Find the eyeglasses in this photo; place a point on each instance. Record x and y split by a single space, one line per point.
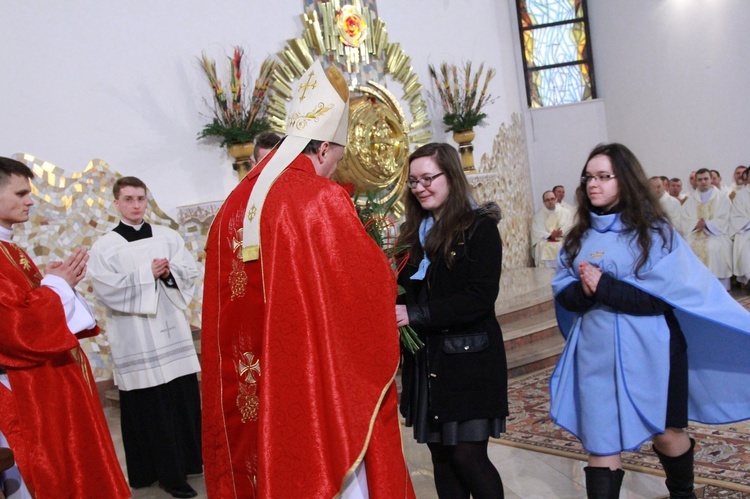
602 177
425 181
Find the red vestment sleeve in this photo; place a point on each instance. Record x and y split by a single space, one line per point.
52 415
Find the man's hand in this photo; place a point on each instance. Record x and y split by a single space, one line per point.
72 270
555 235
160 267
700 225
590 276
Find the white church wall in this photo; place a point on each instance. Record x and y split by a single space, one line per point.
119 80
674 76
560 139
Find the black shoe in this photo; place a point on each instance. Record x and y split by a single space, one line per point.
182 490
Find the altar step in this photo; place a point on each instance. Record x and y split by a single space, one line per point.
525 311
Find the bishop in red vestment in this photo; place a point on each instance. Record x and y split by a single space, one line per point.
299 346
50 412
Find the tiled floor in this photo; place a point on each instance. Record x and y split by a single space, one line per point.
525 474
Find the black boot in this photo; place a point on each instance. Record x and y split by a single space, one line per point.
603 483
679 471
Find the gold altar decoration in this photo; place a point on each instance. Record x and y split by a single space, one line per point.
466 149
378 147
242 154
356 40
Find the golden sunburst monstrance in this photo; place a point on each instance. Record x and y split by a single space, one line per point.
380 133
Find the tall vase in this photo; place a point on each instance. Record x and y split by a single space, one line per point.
243 157
466 149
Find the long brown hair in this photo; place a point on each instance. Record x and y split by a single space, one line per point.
455 214
640 211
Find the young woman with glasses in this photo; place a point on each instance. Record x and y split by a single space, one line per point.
455 388
637 308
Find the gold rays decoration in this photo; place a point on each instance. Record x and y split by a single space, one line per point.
367 60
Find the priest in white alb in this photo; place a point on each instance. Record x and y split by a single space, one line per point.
704 221
549 226
144 276
739 222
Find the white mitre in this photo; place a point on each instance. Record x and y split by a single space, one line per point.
319 110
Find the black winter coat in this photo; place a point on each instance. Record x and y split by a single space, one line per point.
455 317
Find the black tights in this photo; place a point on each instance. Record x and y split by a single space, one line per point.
465 469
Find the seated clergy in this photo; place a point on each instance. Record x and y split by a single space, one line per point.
739 181
675 190
704 220
669 204
549 226
739 224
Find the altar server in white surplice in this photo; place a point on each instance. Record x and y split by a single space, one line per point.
704 221
549 226
144 276
739 223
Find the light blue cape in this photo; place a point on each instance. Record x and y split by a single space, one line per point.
609 387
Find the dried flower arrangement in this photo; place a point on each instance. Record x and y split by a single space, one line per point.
237 117
460 96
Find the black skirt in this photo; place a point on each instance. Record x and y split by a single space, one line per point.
415 409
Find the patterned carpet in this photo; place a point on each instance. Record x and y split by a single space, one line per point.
722 458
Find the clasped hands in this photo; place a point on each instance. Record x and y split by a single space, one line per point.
590 276
555 235
160 268
72 270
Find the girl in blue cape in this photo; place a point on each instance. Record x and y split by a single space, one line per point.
653 339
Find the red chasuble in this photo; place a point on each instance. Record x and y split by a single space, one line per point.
298 390
53 417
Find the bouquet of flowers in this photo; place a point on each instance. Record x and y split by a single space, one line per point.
237 116
380 224
460 96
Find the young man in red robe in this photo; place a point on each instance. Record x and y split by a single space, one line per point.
299 339
50 413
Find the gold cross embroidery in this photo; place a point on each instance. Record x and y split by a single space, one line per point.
251 213
308 85
237 242
248 367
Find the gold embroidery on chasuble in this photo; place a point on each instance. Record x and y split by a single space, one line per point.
237 277
699 243
21 261
248 367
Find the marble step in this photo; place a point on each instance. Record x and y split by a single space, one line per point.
530 358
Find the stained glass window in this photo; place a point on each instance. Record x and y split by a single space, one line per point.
556 45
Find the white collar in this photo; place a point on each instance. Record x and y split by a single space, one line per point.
6 234
136 227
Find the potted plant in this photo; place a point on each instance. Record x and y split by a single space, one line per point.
462 102
237 117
